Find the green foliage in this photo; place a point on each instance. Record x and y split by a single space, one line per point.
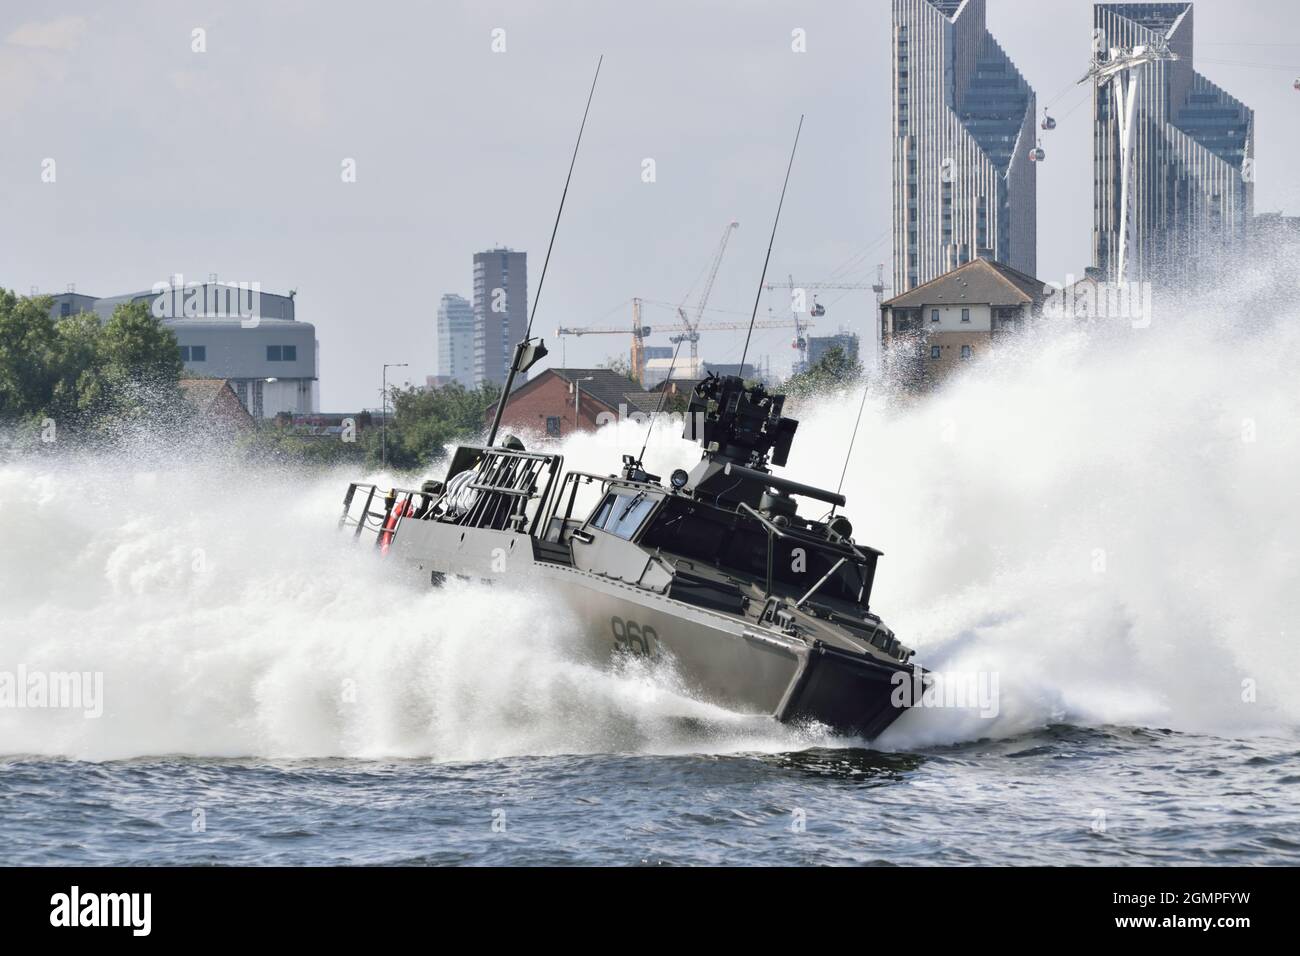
425 420
87 375
619 364
833 371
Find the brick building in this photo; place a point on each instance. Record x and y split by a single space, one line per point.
559 401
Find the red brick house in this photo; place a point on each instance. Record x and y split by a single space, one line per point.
547 405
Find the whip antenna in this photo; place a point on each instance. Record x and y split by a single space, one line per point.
768 257
527 354
663 393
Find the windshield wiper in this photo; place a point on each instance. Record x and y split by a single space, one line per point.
630 505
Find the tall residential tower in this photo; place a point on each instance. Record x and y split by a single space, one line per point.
964 184
1190 147
455 340
500 312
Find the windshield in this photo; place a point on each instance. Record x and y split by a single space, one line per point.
623 513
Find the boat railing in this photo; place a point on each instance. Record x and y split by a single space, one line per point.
843 550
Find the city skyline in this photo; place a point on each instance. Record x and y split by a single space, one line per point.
232 159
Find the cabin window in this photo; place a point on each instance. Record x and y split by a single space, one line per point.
553 425
623 513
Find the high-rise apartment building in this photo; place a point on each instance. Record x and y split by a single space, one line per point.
1173 154
964 124
455 340
500 312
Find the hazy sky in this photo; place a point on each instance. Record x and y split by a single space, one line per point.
229 161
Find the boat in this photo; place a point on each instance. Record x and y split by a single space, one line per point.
714 574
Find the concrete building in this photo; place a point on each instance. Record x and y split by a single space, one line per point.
455 340
500 312
929 332
238 333
559 401
819 345
964 186
1191 154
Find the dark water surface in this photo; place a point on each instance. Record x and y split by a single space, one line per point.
1061 796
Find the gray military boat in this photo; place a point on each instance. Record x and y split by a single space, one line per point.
715 573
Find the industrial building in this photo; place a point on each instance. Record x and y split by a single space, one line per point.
235 332
1173 153
964 179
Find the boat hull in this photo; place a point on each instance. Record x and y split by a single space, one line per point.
723 659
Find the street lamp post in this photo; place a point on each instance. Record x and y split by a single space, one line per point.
577 395
383 455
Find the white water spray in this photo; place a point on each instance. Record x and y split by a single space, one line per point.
1106 523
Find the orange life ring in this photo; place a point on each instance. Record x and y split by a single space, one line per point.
401 509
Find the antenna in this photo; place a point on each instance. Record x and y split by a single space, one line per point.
663 393
770 241
525 354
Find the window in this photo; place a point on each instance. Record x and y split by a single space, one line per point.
290 353
65 308
934 351
965 315
934 315
965 351
273 353
194 353
623 513
282 353
552 424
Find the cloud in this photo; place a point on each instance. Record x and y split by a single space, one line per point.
61 33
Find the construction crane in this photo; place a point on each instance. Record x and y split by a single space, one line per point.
692 334
641 332
817 309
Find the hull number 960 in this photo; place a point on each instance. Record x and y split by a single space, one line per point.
631 637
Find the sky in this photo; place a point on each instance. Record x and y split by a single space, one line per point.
229 160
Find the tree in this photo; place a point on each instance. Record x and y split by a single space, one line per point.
834 370
619 364
425 420
87 375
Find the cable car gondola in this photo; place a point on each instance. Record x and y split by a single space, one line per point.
1037 154
818 309
1048 122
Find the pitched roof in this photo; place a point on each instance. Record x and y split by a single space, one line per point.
202 392
979 281
608 387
